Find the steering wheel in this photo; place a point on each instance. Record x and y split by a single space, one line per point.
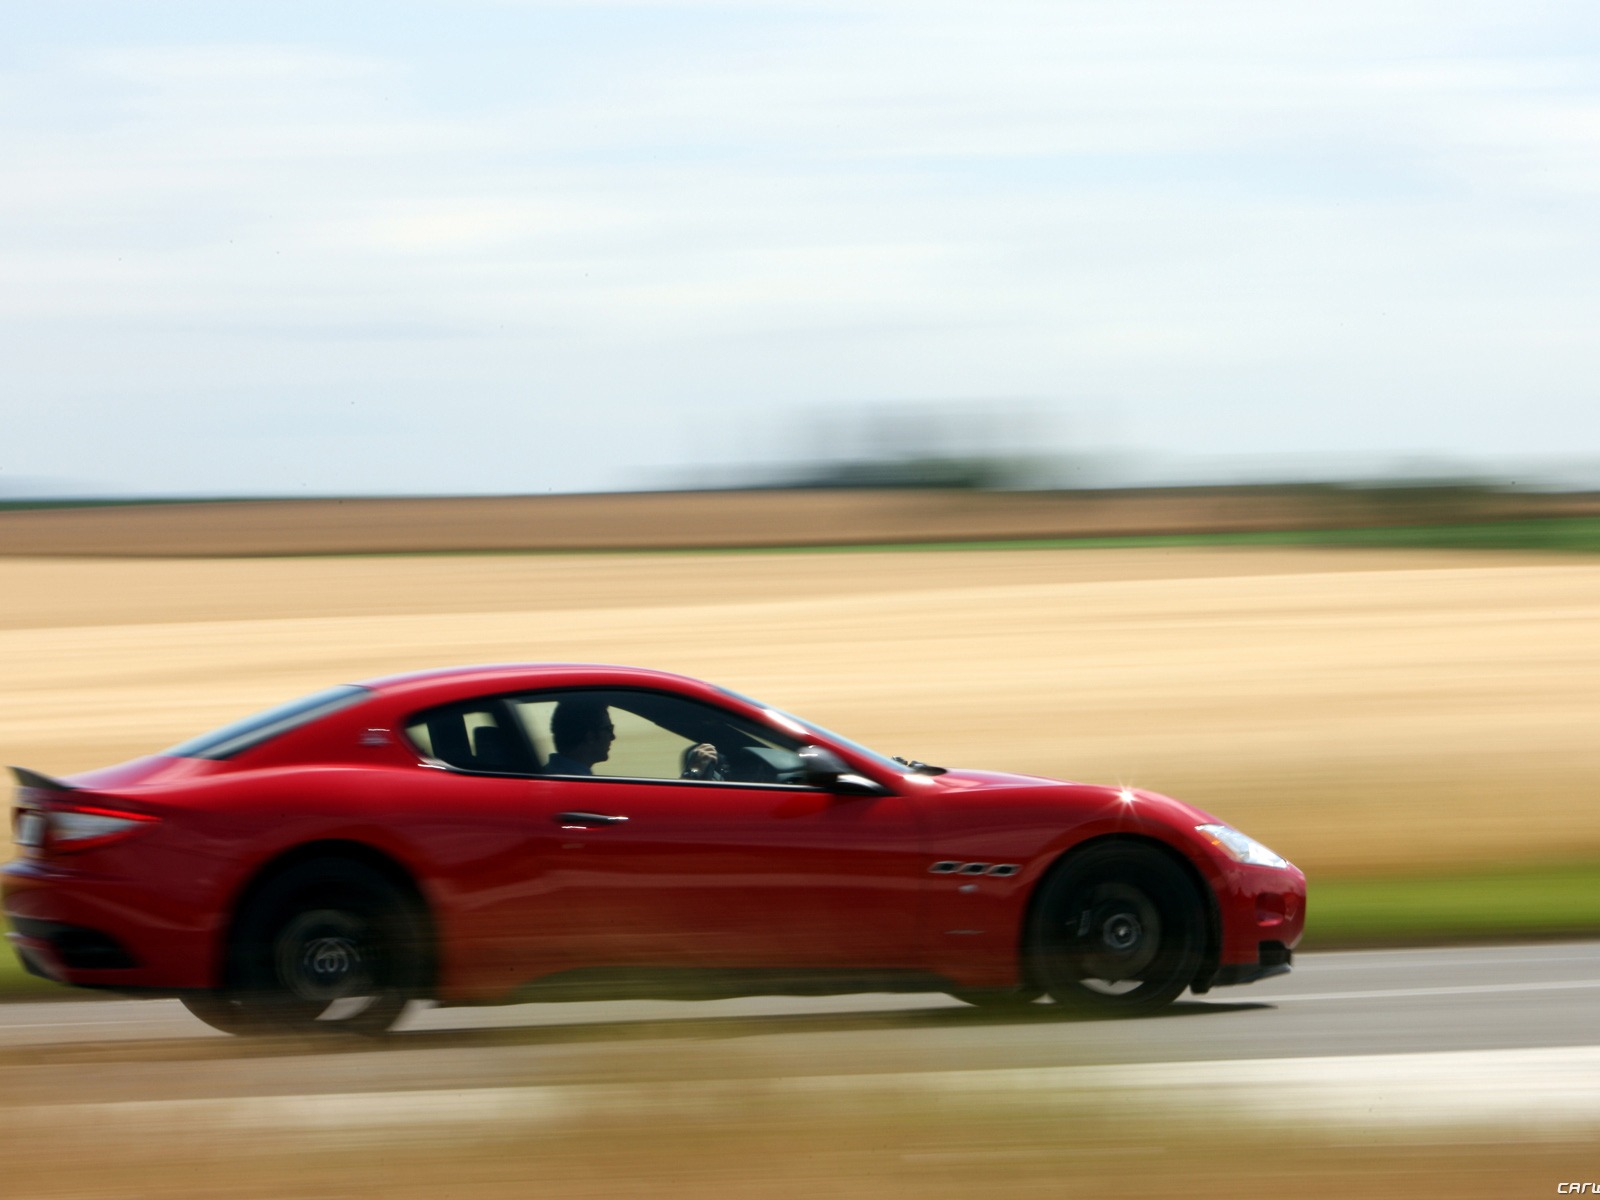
703 761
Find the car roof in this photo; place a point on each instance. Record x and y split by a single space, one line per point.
449 683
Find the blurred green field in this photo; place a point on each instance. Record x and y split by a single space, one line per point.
1558 900
1557 535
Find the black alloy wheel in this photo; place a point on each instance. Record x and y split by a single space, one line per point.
1118 930
328 946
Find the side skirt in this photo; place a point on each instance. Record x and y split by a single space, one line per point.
628 983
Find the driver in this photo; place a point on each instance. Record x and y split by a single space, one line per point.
582 731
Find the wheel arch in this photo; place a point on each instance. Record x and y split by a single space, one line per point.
1211 952
334 850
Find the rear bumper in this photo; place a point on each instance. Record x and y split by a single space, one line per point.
88 930
50 949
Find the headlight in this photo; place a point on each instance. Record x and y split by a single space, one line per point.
1239 847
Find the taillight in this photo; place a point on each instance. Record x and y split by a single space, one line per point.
27 828
70 829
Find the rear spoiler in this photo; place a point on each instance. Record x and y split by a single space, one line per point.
34 779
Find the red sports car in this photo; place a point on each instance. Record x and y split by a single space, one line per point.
485 835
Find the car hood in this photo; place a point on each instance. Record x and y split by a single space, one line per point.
963 780
1071 793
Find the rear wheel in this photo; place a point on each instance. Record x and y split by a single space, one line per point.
327 946
1117 930
221 1011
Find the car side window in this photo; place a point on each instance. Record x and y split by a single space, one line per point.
475 736
626 734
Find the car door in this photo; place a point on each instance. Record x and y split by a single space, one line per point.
747 868
472 805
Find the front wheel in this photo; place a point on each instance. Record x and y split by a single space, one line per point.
327 946
1118 930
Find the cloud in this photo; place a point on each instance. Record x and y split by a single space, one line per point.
1265 223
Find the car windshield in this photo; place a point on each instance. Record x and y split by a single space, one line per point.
263 726
798 725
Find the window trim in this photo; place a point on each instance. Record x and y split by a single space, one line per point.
505 715
507 700
737 784
733 718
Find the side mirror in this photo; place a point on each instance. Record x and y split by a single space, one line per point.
822 768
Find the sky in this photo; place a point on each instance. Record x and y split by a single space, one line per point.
308 248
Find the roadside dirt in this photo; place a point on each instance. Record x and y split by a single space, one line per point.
739 1144
1357 710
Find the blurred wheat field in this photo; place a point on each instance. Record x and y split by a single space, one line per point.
1360 711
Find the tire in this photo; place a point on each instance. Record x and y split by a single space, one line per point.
1000 1000
1118 930
328 946
221 1011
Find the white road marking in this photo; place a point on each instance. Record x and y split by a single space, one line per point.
116 1023
112 1021
1464 989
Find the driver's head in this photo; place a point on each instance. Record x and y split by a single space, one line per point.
581 729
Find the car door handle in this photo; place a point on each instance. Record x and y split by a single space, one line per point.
583 820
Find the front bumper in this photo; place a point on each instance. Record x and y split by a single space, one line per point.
1261 916
1273 958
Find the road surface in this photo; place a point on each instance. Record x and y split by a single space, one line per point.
1519 1011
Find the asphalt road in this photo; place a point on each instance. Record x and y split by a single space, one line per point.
1343 1004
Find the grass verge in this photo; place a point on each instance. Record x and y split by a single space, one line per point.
1567 535
1510 904
1558 535
17 984
1579 535
1523 902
